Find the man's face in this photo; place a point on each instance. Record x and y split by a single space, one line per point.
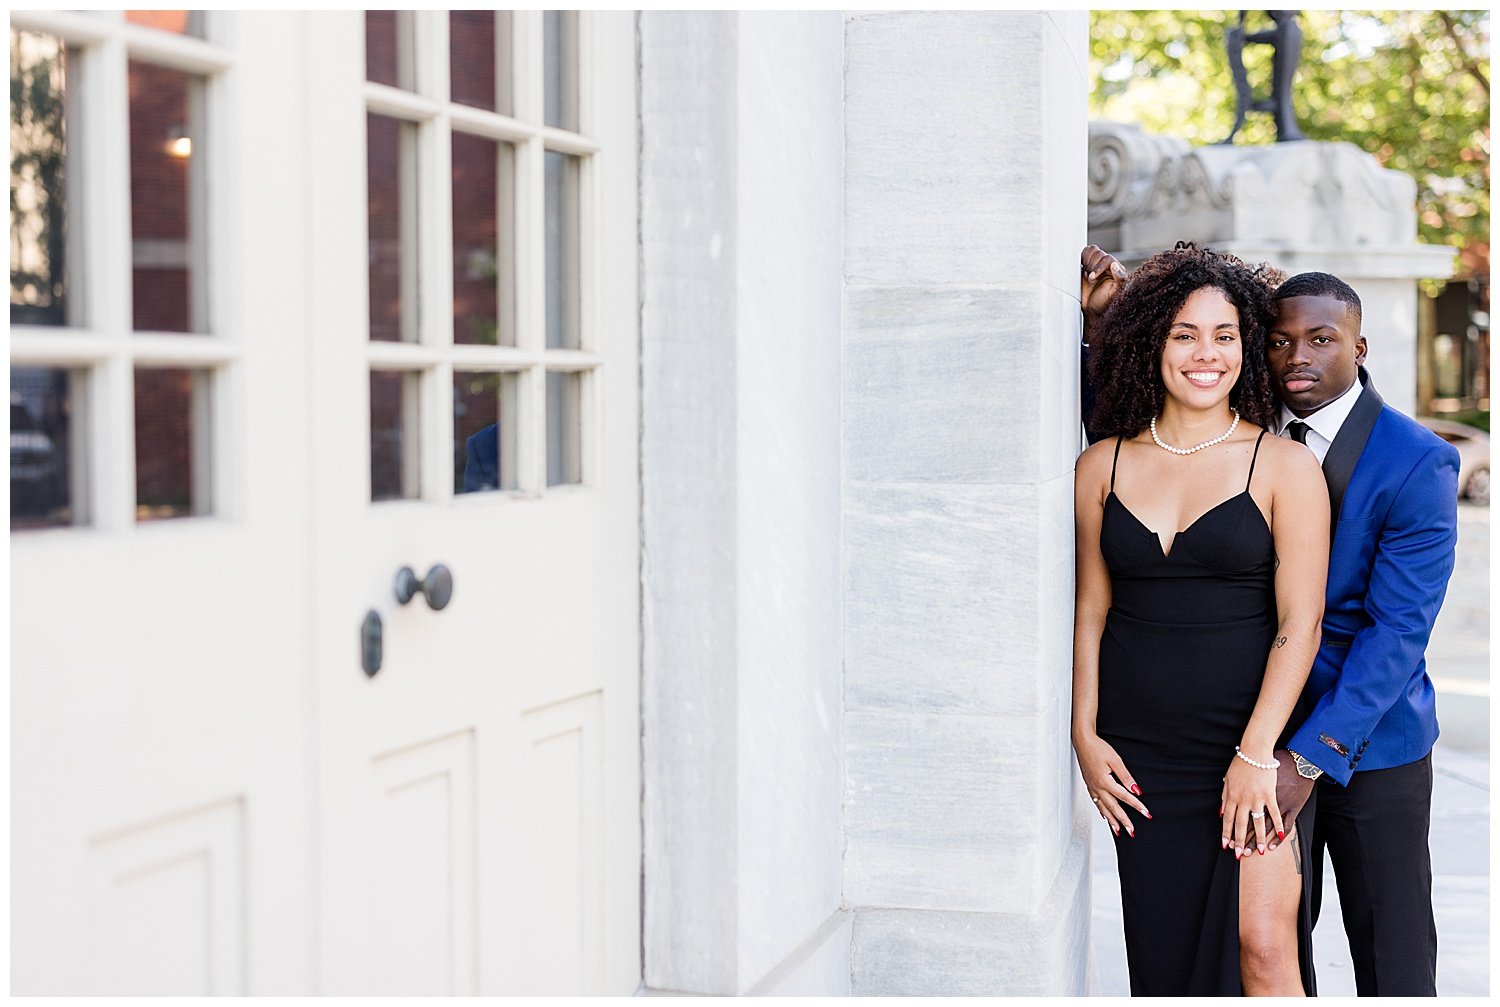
1315 350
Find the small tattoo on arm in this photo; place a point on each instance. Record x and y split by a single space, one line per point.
1280 642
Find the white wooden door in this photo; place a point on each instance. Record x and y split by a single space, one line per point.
474 264
161 587
218 373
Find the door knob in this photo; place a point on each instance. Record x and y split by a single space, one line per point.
436 587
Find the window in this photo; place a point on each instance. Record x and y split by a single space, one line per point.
116 347
482 352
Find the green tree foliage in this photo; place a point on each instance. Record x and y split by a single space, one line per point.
1410 87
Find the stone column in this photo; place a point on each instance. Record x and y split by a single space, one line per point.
966 857
741 214
1303 206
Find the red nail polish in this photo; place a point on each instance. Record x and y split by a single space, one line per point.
1223 842
1146 813
1262 851
1132 833
1135 789
1221 811
1280 834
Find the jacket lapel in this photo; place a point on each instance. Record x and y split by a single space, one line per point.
1344 454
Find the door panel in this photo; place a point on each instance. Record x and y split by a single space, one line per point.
502 730
161 723
209 794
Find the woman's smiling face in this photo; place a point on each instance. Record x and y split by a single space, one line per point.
1201 359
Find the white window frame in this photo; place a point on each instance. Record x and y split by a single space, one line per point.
435 355
104 349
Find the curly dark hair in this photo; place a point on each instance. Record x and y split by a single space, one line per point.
1125 359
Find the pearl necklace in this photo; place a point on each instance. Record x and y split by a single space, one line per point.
1197 447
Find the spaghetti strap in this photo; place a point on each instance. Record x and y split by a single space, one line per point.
1118 441
1252 462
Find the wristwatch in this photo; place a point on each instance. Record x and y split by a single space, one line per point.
1305 769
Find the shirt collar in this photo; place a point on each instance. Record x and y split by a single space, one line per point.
1327 421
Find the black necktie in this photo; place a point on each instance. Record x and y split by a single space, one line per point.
1298 430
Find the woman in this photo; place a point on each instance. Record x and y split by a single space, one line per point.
1202 550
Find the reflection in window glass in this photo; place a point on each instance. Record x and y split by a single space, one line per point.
180 22
394 474
39 252
167 200
46 471
483 261
172 409
388 48
391 146
484 431
560 68
562 250
479 59
563 393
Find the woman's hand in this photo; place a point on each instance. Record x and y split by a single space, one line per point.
1101 277
1251 815
1109 783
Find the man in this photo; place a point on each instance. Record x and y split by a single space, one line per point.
1370 721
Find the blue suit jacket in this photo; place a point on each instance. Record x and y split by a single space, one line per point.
1394 489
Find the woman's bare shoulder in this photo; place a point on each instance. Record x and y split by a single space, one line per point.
1097 456
1291 463
1091 472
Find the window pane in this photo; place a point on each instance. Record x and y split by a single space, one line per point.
484 431
479 68
167 200
46 463
394 474
393 228
389 53
562 428
483 249
560 68
171 442
39 243
562 250
182 22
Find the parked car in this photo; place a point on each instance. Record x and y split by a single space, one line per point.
1473 457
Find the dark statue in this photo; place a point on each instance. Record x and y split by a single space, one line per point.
1285 38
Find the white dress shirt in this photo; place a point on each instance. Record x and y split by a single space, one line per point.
1323 425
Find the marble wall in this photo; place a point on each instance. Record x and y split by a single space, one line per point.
741 211
965 866
859 420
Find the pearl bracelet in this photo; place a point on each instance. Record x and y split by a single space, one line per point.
1273 764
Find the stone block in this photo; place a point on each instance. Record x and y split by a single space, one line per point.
942 135
1057 377
1063 168
1036 952
940 384
929 812
942 598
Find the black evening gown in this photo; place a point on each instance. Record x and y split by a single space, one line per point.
1180 667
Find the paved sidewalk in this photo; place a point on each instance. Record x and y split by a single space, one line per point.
1459 662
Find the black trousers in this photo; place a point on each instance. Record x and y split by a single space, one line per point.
1375 832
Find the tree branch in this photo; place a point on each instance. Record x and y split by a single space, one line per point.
1470 65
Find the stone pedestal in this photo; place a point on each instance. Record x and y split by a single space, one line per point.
1303 206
